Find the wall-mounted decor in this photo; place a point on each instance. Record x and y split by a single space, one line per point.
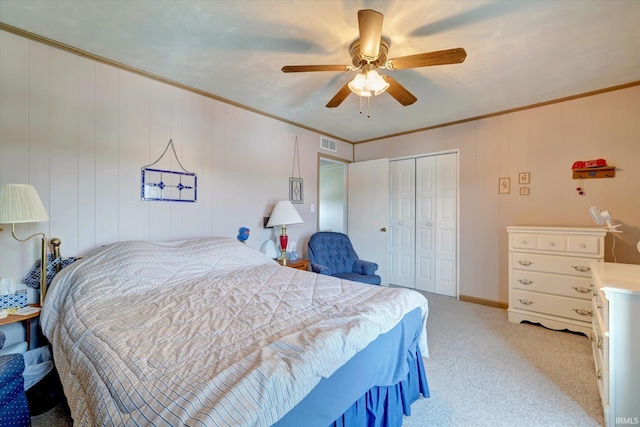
524 178
168 185
504 186
295 184
524 191
596 168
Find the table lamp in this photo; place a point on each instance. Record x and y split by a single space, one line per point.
19 203
284 214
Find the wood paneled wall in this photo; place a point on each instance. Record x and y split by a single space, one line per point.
544 141
80 130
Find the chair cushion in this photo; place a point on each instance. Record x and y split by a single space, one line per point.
14 409
371 279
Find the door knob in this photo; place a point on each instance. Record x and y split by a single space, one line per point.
383 229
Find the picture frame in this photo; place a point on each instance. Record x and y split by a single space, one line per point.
504 186
524 178
524 191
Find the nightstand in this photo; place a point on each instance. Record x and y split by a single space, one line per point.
13 318
301 264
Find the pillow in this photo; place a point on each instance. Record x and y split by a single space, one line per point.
33 278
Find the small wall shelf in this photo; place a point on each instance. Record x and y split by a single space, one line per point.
602 172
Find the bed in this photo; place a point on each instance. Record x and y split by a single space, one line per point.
211 332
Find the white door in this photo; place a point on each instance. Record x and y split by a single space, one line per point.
426 173
446 225
402 223
368 212
436 223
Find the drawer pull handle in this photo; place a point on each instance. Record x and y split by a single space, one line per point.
581 289
583 312
581 268
524 242
525 301
551 244
599 375
582 245
525 262
525 281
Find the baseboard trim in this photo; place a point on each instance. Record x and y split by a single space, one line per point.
482 301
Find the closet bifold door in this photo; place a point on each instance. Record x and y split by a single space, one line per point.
436 224
402 223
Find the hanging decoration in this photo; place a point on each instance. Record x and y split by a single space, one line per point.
295 184
167 185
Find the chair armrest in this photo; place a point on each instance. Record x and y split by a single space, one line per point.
320 269
364 267
11 367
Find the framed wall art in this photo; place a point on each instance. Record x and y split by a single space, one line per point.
504 186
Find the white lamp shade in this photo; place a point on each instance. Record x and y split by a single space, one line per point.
20 203
284 214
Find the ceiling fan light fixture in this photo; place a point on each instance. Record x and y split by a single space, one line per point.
375 83
368 84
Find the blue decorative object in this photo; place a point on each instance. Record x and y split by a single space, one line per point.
332 254
167 185
33 278
243 234
17 299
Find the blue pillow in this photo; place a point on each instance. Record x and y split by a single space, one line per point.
33 278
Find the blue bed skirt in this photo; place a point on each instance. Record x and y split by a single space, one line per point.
384 406
375 388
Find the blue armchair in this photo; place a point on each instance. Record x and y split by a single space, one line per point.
14 408
332 254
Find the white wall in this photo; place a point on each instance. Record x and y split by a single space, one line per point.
544 141
80 131
332 197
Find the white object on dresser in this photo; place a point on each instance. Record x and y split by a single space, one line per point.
616 340
550 277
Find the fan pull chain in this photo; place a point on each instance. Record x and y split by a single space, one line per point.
368 105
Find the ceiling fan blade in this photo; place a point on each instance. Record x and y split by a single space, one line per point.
370 25
305 68
340 96
441 57
395 89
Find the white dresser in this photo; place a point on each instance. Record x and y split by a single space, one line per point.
616 340
550 277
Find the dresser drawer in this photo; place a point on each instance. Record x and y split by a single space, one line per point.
551 264
600 308
600 341
524 241
585 245
601 373
569 308
570 286
552 243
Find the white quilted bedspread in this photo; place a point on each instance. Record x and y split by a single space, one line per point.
204 332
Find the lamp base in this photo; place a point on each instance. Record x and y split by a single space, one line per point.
283 258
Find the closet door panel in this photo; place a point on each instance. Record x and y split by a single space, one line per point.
446 224
402 223
425 222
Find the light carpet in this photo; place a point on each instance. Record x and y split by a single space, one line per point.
485 371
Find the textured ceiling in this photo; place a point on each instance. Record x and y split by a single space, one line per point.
518 52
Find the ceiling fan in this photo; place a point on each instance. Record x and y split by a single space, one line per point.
368 53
